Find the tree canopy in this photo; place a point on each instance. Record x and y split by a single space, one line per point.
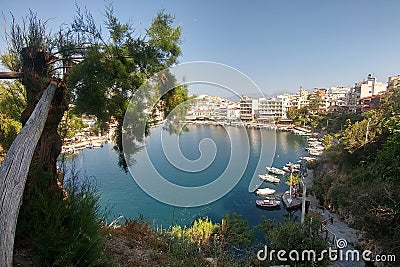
97 72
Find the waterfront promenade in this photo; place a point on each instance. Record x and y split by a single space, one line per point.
90 142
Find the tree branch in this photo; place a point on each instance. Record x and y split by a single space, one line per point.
11 75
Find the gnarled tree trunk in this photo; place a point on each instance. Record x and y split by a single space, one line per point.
14 172
36 75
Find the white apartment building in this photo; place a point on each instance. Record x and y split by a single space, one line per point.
336 98
370 87
338 92
276 107
247 108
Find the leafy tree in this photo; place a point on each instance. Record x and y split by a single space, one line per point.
361 133
295 178
71 125
315 102
99 75
12 103
111 73
236 231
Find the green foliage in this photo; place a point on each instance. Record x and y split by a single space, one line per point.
315 102
63 231
230 243
355 137
361 178
31 34
237 231
189 246
12 103
291 235
164 38
299 116
295 178
388 159
71 125
338 193
111 72
200 232
328 140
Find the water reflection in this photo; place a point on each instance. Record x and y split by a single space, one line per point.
119 191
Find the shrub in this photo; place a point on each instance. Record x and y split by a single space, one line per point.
63 231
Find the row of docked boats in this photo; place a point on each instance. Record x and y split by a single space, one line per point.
269 200
315 147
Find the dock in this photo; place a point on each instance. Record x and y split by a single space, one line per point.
291 203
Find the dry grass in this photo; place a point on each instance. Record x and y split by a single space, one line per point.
135 244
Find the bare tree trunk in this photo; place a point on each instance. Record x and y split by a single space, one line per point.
14 171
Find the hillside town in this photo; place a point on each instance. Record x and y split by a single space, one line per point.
255 112
363 96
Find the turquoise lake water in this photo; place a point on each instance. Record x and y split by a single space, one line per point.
122 196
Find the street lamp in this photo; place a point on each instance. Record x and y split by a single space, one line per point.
303 205
366 134
289 200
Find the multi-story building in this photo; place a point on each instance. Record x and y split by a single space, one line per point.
233 112
273 108
363 96
394 81
370 87
337 99
263 110
367 92
300 99
247 110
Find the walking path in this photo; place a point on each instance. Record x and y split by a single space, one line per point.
343 235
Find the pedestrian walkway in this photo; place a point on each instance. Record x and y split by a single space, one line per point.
342 236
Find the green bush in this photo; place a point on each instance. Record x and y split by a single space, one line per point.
63 231
292 235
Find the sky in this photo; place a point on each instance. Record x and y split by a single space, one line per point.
281 45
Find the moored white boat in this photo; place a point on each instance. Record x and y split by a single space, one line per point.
269 203
97 145
293 165
265 191
308 158
275 170
269 178
315 152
